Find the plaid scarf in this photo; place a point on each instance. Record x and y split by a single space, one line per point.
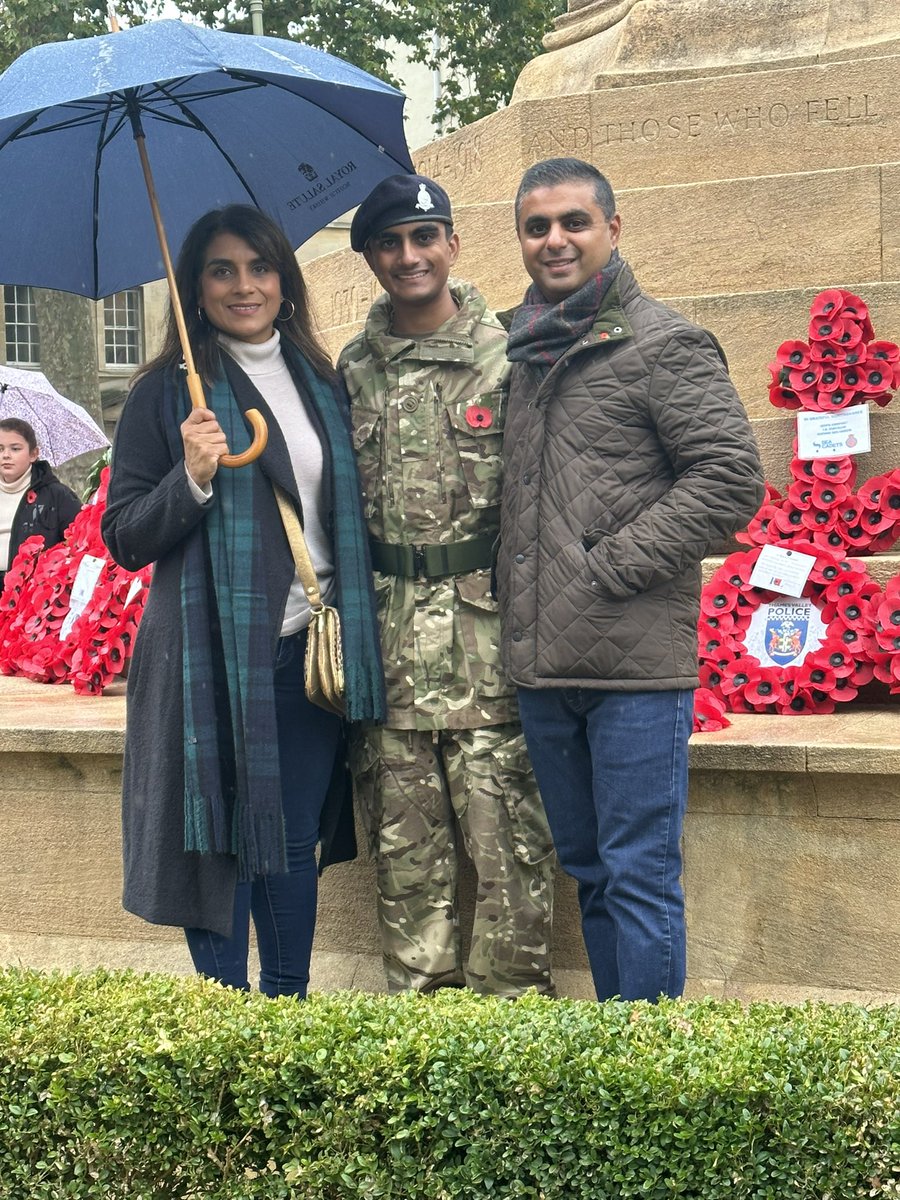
541 332
232 796
360 639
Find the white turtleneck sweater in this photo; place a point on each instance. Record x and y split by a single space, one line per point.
10 499
263 363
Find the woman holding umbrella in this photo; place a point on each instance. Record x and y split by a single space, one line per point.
231 775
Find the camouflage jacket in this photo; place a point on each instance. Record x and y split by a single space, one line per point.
428 417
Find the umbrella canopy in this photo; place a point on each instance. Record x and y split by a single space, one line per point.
63 429
228 118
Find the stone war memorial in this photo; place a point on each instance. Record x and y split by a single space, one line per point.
754 146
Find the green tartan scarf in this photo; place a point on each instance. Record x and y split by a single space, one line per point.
360 639
231 769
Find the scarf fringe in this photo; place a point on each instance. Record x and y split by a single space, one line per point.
205 824
260 844
364 691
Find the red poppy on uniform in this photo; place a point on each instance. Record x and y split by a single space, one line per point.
479 417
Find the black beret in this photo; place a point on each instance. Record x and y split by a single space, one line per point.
398 200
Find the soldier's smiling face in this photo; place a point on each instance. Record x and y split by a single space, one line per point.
412 261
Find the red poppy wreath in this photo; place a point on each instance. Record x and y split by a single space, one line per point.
840 366
49 634
764 652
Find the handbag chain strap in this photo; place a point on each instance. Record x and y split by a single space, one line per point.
299 549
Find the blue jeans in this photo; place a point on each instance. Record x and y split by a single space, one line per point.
612 769
283 907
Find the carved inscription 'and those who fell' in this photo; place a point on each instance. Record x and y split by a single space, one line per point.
727 121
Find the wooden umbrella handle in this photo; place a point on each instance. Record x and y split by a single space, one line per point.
194 383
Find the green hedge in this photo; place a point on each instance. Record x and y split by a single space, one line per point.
125 1086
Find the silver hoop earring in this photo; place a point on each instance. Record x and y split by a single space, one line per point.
201 315
290 314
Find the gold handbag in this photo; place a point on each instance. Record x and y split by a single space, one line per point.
324 667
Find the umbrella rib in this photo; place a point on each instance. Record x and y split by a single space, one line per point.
20 131
194 120
101 145
322 108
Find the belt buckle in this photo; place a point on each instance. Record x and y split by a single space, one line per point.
418 557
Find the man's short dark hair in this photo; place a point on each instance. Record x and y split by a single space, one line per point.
554 171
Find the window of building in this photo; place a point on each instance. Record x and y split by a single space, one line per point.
122 329
23 345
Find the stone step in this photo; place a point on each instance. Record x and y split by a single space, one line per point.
854 740
614 43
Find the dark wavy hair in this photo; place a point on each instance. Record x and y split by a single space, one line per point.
267 239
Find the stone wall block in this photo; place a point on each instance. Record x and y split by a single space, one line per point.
890 220
809 901
733 235
64 869
475 164
769 793
738 125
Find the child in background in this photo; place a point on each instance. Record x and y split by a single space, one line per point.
32 499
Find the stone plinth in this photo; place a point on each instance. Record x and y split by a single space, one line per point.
604 43
792 852
762 168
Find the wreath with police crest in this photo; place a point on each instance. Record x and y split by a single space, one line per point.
761 651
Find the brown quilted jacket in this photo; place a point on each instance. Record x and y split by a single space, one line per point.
624 467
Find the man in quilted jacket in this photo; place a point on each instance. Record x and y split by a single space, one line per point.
426 380
628 457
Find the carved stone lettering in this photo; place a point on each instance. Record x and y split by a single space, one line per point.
454 161
747 118
554 143
840 110
649 129
729 121
351 304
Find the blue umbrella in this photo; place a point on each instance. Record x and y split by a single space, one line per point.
227 118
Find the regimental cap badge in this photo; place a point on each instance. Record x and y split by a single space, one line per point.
423 199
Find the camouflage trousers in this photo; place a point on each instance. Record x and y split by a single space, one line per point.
413 787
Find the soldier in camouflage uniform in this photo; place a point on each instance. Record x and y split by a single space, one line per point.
426 381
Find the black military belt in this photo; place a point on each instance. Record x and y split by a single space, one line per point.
429 562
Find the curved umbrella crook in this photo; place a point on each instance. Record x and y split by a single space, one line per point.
194 383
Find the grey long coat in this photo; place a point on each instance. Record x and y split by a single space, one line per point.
149 511
624 468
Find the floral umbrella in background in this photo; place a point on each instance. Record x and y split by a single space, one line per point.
63 429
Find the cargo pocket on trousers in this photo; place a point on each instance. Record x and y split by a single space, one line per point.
528 826
476 651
